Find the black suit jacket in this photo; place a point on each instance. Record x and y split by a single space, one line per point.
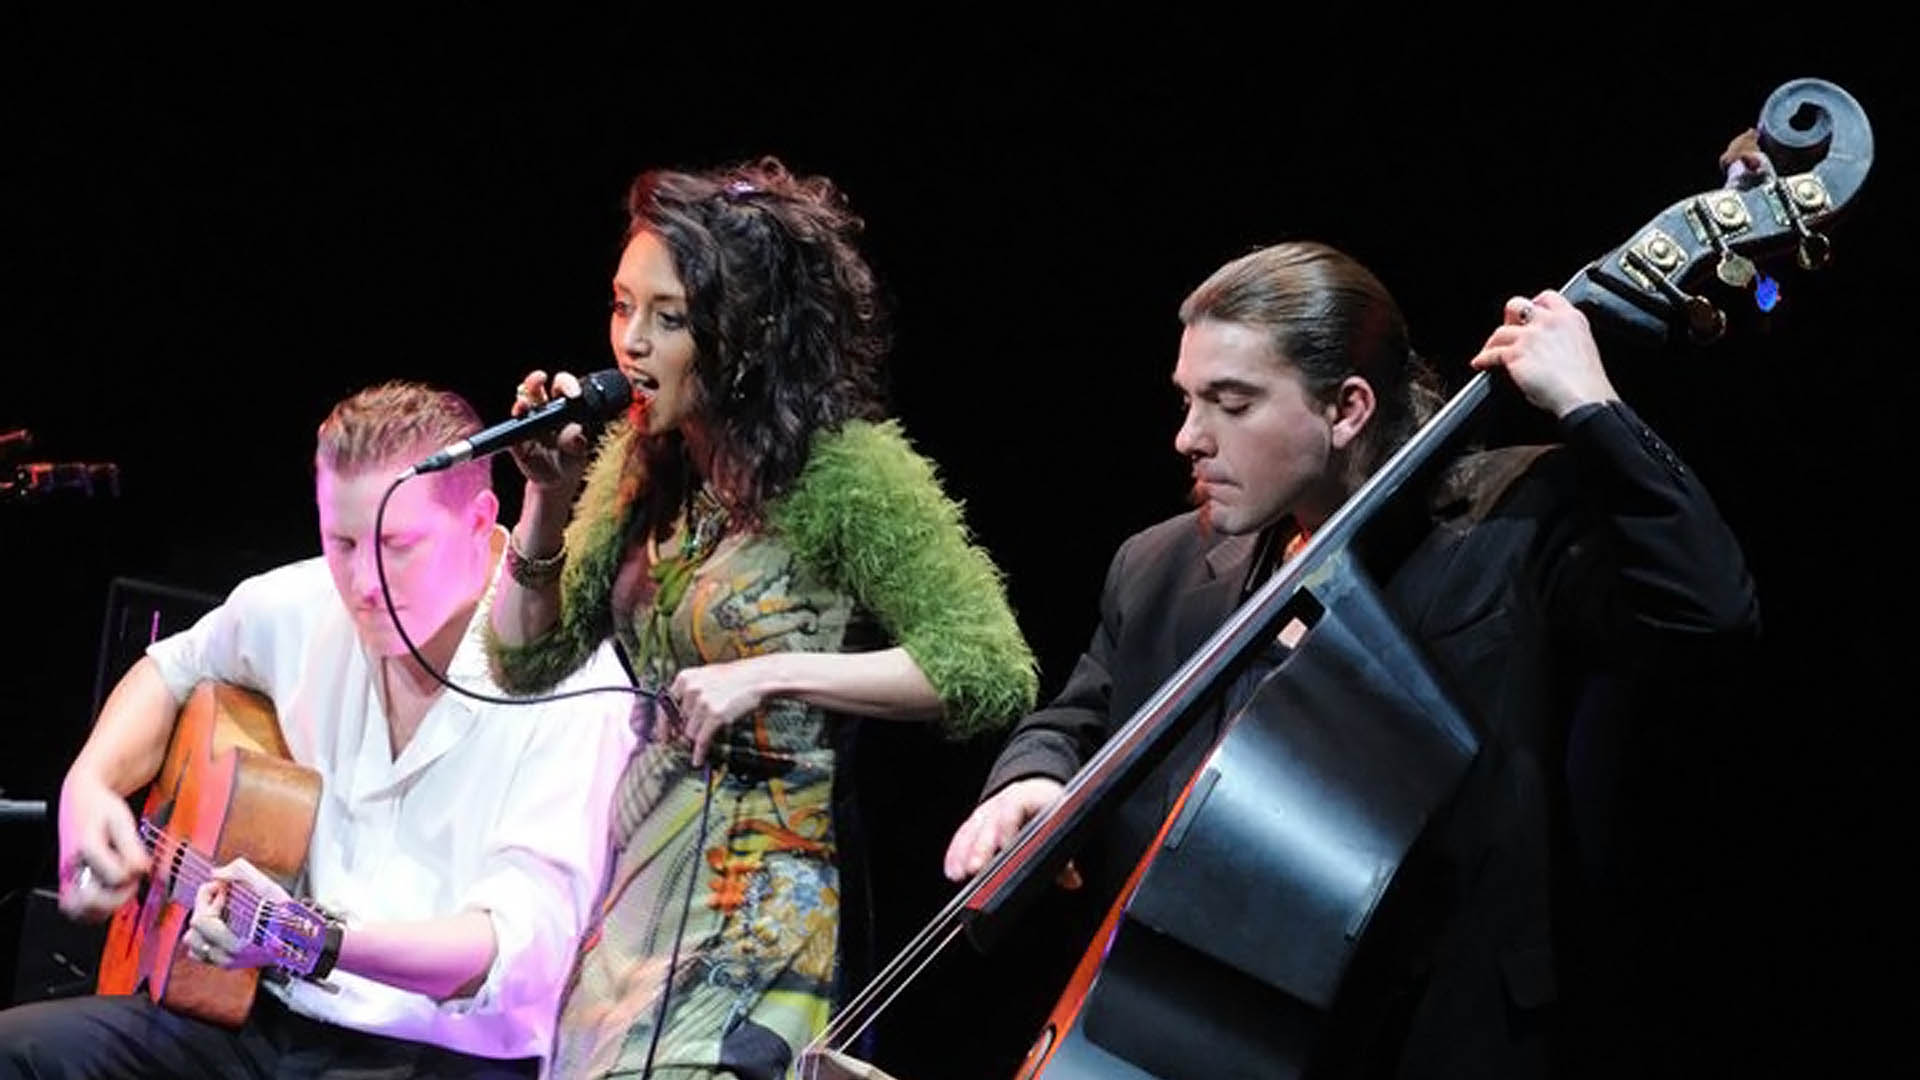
1545 577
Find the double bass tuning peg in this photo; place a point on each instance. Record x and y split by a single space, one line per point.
1816 251
1735 270
1726 211
1798 196
1705 322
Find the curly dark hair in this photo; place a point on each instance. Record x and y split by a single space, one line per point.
787 323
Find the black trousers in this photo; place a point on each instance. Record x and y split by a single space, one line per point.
112 1037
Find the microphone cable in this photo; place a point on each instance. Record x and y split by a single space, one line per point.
658 697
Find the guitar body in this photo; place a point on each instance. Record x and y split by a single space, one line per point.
228 787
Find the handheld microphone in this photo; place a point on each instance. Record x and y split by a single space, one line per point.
23 810
603 395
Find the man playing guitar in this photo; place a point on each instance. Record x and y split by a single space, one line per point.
458 846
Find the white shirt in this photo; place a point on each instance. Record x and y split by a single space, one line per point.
495 807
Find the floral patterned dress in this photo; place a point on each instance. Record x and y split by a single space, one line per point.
724 898
751 866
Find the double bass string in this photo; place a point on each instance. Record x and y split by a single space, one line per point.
862 1011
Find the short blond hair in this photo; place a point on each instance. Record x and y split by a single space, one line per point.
398 421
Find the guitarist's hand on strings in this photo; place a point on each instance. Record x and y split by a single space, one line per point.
209 939
101 856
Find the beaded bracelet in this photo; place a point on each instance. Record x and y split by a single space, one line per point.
530 572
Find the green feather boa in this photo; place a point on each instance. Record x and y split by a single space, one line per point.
869 516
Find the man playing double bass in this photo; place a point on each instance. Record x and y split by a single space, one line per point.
1544 573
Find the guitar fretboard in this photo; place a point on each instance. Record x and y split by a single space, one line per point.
286 928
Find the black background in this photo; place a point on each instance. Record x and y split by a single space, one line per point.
213 229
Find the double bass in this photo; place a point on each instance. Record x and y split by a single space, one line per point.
1326 780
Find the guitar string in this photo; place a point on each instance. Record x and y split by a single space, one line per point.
192 869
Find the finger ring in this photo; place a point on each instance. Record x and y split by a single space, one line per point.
83 878
1525 312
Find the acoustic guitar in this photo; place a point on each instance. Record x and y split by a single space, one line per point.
228 789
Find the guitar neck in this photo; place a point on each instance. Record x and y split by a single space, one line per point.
288 928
